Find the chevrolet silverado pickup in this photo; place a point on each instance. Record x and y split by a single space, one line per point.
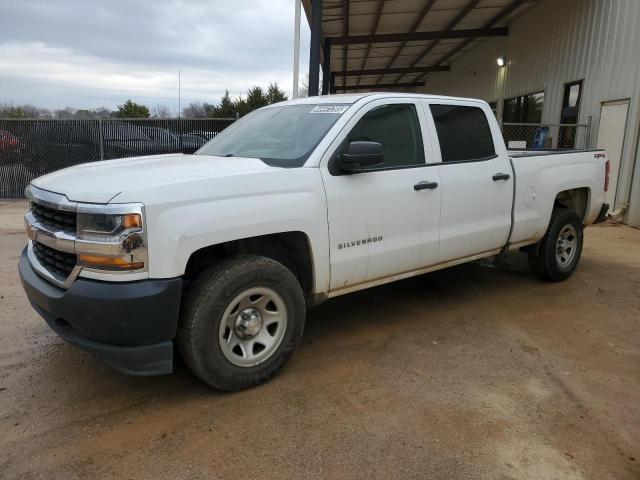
217 255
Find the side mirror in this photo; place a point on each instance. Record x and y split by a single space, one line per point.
360 155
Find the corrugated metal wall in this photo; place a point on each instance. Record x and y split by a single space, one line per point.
557 43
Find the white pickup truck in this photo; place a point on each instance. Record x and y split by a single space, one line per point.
222 252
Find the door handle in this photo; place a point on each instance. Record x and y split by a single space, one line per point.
425 186
501 176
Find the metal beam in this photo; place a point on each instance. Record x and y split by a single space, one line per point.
314 47
513 6
380 85
452 24
373 31
394 71
416 24
420 36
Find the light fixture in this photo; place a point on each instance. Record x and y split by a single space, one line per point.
501 61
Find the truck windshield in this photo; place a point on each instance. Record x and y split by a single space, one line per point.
281 136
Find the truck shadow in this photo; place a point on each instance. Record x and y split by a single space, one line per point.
417 303
430 292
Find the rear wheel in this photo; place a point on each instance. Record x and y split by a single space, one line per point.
558 253
241 322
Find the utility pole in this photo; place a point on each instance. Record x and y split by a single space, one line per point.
179 111
296 49
179 106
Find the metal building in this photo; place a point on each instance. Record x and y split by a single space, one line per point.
568 68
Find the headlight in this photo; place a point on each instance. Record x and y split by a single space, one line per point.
107 228
112 242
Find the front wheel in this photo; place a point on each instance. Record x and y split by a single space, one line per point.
241 322
558 253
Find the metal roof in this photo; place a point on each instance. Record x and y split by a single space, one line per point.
371 39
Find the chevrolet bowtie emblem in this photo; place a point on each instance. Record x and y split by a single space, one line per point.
32 232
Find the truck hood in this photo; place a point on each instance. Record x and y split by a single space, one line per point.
100 182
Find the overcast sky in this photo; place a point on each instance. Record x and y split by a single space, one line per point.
87 54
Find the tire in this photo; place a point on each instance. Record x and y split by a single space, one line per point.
551 260
213 320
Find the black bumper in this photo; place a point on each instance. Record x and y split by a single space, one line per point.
602 216
130 324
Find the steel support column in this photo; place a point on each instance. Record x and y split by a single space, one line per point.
314 47
326 65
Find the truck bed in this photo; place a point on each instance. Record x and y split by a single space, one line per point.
540 175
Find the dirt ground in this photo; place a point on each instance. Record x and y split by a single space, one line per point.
473 372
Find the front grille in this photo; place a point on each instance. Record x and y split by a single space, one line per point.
57 220
59 264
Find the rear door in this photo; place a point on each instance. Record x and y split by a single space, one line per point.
476 179
379 223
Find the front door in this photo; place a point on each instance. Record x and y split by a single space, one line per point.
476 179
377 216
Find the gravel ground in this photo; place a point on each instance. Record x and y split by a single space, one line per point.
480 371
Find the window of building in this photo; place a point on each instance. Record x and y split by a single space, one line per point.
397 128
463 132
524 109
494 107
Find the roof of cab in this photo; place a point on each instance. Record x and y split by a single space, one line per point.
350 98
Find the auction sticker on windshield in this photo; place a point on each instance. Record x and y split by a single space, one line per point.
329 109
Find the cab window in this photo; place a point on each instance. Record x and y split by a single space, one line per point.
463 132
397 128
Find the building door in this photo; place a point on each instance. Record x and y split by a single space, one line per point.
611 132
570 113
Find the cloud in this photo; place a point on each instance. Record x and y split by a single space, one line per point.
89 54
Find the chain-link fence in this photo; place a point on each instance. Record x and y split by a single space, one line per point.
30 148
520 136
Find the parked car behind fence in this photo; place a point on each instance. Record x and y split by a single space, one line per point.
30 148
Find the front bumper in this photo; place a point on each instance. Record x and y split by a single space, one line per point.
130 324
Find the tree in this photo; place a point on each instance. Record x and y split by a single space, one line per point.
226 108
256 98
130 109
160 111
193 110
240 107
209 110
9 110
199 110
83 114
63 113
274 94
303 87
101 112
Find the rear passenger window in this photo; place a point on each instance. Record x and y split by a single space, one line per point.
463 132
397 128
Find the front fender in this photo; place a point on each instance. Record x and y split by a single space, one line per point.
178 229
